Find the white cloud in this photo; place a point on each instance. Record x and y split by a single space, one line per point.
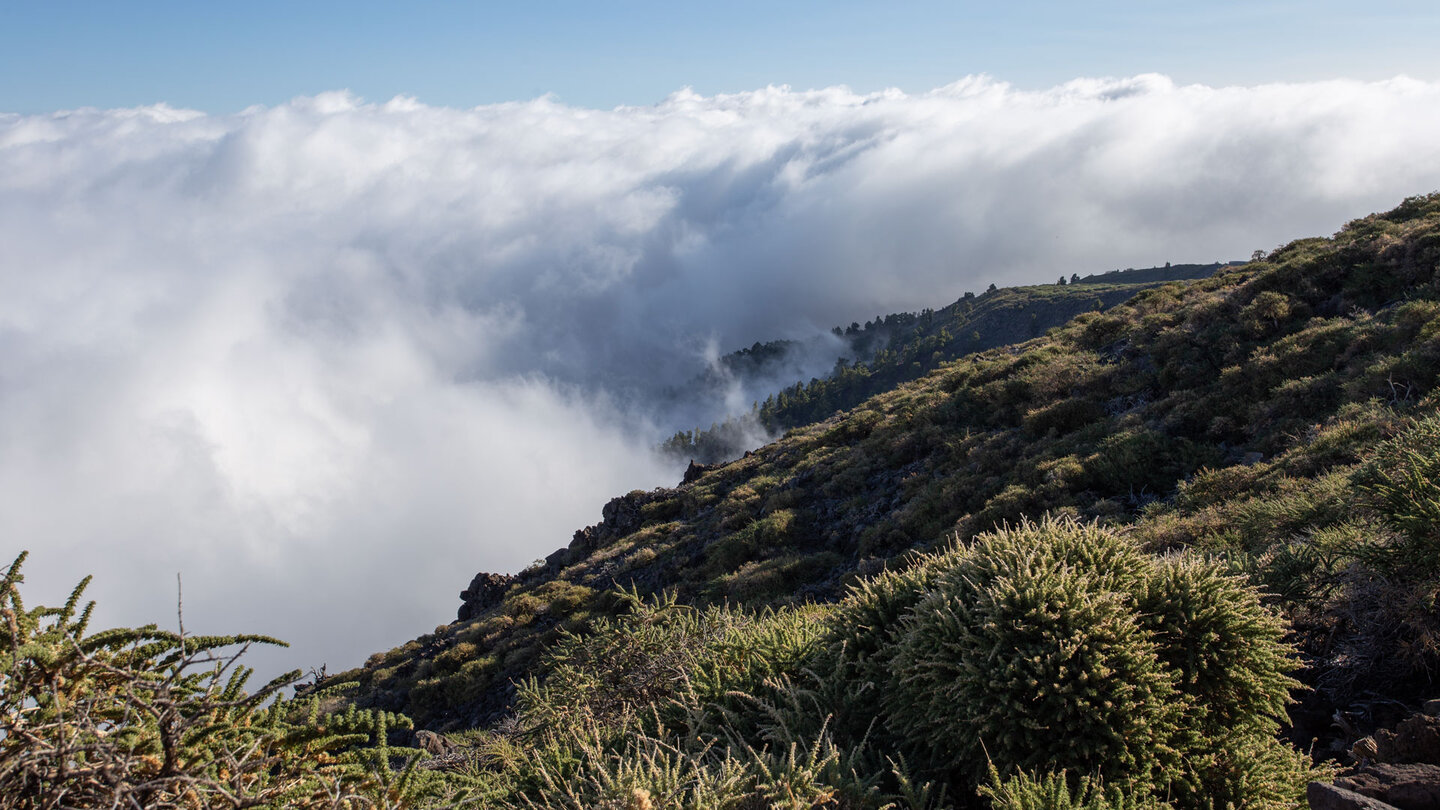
330 358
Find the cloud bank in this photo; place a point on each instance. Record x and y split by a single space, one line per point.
329 359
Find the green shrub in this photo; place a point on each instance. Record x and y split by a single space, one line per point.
660 659
670 706
1060 646
1139 459
1030 651
582 771
1252 770
1062 416
1232 665
1266 311
1212 486
146 717
753 541
1403 482
862 633
1296 506
1060 791
1227 649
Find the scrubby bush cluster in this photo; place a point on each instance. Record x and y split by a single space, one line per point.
672 706
660 659
149 718
1053 664
1060 646
1058 791
1049 660
1336 531
1403 477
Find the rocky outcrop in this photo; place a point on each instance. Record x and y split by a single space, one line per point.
433 744
485 591
620 517
1412 786
1415 739
695 471
1397 768
1325 796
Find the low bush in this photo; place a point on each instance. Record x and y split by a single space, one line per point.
659 659
1403 482
1060 646
1059 791
1030 650
146 717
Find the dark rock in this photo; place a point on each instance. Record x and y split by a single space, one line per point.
584 542
1432 707
487 588
1415 795
1415 739
695 471
432 743
485 591
620 517
1325 796
1411 786
557 559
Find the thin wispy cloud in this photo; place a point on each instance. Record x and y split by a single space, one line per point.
330 358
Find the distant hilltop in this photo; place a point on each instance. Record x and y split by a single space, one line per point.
1177 272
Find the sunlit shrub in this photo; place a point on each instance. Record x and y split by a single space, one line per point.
645 661
1061 791
583 771
1229 656
1403 481
1061 646
146 717
1029 650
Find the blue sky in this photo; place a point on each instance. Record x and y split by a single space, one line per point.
223 57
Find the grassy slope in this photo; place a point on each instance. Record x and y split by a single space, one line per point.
1234 414
902 347
911 350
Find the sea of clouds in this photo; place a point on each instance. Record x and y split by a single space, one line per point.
329 359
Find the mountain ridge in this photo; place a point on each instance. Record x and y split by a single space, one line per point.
796 518
898 347
1268 437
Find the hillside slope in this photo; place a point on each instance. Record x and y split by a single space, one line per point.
1247 375
1278 421
897 348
